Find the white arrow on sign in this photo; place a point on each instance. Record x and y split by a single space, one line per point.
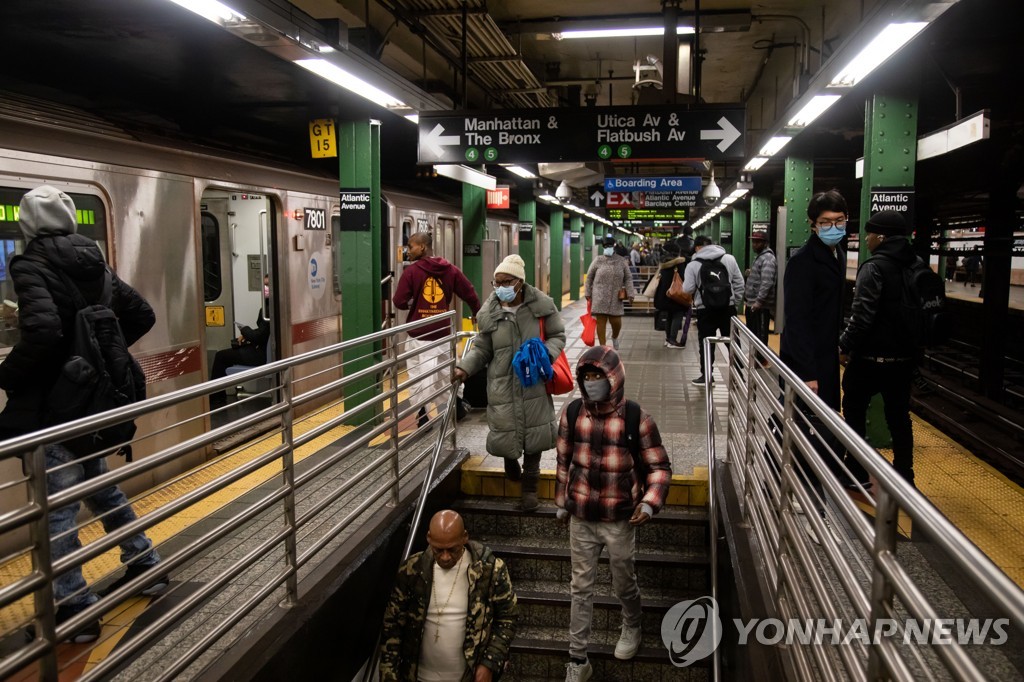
436 142
597 198
727 134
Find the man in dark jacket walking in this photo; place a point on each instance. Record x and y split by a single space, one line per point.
876 346
426 289
46 317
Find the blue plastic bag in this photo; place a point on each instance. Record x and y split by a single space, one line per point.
531 363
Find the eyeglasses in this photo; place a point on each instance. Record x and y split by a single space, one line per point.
841 224
504 283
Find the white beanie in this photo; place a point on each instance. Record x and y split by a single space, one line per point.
512 265
46 210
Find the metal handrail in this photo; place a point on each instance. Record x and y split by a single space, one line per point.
773 471
277 504
709 405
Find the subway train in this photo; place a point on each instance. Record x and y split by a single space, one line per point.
204 237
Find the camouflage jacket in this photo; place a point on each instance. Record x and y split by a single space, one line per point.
490 623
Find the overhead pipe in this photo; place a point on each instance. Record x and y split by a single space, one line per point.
670 51
802 51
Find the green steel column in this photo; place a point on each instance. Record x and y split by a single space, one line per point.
798 188
556 255
588 246
890 149
740 234
575 257
890 156
715 229
761 210
527 240
474 230
725 230
361 313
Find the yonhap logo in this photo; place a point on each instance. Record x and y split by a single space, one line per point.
691 630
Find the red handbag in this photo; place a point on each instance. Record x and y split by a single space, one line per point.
561 376
589 327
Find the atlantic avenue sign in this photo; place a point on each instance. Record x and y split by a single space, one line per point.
590 134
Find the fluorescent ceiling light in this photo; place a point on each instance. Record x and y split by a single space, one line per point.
756 163
773 145
212 10
520 171
339 76
623 32
818 105
728 200
739 193
891 39
962 133
468 175
415 118
549 198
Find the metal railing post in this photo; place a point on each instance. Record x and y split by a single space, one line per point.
709 405
288 502
39 534
886 523
395 464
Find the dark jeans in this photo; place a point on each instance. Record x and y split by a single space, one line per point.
246 354
710 322
861 381
678 319
758 322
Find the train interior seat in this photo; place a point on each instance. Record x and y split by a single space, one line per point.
255 386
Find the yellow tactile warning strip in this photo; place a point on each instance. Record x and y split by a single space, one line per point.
985 505
488 481
18 614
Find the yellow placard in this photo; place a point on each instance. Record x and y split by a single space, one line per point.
214 316
321 138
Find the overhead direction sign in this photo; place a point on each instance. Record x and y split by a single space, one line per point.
651 200
590 134
687 183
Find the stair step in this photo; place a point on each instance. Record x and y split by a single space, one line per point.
556 549
607 615
503 505
549 591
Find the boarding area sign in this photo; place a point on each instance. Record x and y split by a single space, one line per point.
590 134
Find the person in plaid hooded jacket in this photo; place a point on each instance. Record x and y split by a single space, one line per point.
604 494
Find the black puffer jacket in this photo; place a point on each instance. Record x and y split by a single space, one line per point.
877 327
46 317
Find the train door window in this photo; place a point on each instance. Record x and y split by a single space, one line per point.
444 243
407 231
212 274
91 216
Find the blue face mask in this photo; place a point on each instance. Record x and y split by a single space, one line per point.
609 251
505 294
832 235
597 391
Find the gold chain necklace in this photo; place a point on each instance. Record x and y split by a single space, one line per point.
440 609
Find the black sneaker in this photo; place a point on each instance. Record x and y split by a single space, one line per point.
699 381
156 584
89 632
422 417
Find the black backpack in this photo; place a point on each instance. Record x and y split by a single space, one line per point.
715 287
633 414
923 304
99 374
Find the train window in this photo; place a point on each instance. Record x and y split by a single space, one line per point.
91 215
212 283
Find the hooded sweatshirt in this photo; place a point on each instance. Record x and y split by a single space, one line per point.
46 309
596 479
426 289
691 282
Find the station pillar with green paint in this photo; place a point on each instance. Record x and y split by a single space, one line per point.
474 230
715 229
575 256
361 314
527 238
740 234
798 188
725 230
556 234
890 158
588 246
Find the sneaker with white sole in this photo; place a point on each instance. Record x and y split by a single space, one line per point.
578 672
629 642
615 343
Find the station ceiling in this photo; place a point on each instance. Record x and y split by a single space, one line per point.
158 70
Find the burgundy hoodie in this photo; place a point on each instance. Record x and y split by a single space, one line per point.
426 289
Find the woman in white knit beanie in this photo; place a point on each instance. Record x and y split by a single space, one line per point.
521 420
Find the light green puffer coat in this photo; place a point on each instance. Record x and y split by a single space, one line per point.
519 419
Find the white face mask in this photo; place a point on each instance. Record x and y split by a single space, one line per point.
608 251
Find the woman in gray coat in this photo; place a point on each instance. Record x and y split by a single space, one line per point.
608 275
521 421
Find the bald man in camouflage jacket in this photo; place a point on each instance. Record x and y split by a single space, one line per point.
452 613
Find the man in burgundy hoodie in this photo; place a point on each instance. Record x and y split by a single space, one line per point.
425 290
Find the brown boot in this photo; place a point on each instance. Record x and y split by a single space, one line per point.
531 476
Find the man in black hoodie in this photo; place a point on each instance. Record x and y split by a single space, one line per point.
46 318
876 346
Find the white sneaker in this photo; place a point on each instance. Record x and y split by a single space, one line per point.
578 672
629 642
615 342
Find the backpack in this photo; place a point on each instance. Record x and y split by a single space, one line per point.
632 434
99 374
923 305
715 286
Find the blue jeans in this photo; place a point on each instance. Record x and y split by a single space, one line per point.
110 503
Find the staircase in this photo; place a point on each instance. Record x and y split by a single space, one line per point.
671 564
